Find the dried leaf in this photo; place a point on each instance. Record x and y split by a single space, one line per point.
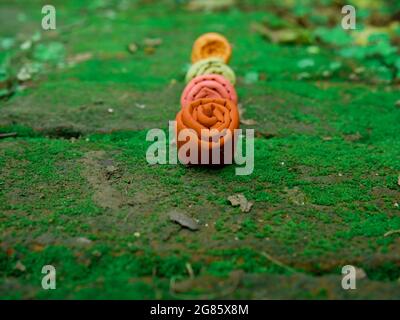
80 57
240 200
183 220
24 74
152 42
360 273
353 137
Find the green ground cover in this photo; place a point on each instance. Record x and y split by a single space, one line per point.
76 190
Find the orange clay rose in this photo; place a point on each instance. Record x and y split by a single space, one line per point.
205 130
211 45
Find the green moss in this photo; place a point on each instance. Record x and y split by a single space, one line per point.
324 185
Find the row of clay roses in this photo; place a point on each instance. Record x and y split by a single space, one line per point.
209 115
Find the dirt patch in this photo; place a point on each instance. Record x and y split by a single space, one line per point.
105 195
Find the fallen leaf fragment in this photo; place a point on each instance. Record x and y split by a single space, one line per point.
183 220
19 266
248 122
80 57
24 74
353 137
152 42
360 273
240 200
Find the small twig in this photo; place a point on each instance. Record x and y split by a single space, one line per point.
391 232
8 135
190 270
277 262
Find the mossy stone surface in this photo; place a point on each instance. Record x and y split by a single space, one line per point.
324 187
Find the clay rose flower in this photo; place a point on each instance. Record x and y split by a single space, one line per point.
205 131
208 86
211 66
211 45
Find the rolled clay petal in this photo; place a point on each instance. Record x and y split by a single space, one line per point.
211 124
211 66
208 86
211 45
